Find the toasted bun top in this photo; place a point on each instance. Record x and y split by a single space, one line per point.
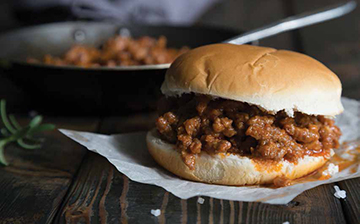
272 79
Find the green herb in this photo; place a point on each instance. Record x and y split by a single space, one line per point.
23 136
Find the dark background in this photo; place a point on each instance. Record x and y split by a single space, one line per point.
335 43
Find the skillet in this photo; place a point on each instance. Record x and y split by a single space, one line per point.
117 90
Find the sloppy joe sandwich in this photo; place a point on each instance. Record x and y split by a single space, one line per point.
242 115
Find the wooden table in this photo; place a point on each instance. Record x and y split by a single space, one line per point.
64 183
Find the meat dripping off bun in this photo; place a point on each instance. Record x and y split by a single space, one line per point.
274 80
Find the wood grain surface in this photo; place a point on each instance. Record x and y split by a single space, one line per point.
351 206
100 194
33 187
109 197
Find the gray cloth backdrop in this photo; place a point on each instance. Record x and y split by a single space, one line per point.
174 12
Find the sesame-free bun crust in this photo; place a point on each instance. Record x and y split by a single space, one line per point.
272 79
228 169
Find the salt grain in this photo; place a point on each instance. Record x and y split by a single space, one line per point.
200 200
155 212
339 193
331 170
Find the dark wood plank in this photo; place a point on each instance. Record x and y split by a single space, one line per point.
33 187
101 194
317 205
351 205
92 177
109 195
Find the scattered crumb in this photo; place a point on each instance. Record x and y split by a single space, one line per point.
200 200
286 222
339 193
155 212
331 170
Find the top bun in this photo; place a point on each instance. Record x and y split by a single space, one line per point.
274 80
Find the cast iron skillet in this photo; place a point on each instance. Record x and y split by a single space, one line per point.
92 91
120 90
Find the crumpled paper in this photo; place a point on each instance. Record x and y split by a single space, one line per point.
129 154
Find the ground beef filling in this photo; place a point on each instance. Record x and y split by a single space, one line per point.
198 123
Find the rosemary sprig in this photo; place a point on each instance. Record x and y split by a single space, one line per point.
23 136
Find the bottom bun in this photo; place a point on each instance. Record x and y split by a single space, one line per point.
229 169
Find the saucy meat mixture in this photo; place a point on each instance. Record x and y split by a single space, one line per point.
198 123
118 51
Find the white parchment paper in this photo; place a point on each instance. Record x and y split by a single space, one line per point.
129 154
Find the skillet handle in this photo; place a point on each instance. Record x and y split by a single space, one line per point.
294 22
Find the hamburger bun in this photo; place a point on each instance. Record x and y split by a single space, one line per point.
273 80
228 169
